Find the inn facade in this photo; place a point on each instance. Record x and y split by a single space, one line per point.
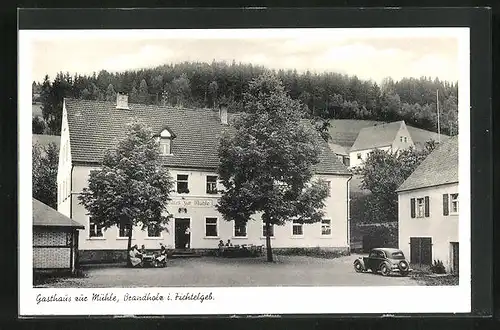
188 141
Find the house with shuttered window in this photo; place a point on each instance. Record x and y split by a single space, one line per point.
428 204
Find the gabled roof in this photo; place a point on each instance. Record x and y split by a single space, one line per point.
338 149
421 136
45 216
440 167
95 126
376 136
345 131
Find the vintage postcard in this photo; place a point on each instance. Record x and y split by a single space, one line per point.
244 171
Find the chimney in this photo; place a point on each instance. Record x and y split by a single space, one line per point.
122 101
223 113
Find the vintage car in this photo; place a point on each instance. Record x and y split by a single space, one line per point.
385 261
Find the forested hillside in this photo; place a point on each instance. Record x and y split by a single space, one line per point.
327 95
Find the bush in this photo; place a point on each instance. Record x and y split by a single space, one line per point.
438 268
312 252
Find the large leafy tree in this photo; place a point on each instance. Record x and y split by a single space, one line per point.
44 173
383 172
132 187
266 162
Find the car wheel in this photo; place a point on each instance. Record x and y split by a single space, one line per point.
384 270
358 267
404 267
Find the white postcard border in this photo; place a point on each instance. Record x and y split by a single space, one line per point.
254 300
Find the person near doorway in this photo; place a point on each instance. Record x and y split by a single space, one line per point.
229 243
187 235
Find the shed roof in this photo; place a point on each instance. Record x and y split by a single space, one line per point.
45 216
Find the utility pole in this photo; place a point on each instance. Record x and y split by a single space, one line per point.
437 106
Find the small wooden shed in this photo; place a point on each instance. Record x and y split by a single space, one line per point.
55 239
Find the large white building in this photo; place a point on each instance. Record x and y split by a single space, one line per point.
428 206
189 140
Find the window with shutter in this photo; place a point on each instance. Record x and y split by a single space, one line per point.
446 210
426 206
412 207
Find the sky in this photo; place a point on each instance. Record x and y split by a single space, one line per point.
371 56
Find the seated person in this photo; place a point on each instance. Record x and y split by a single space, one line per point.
229 243
135 257
163 249
162 256
143 250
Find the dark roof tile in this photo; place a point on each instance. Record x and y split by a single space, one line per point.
440 167
95 126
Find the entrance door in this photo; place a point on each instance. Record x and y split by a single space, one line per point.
421 250
182 236
454 257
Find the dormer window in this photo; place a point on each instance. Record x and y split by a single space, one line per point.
166 142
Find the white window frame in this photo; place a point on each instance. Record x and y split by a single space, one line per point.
451 200
417 209
154 237
93 228
216 227
262 230
329 184
329 225
165 143
118 234
165 136
177 182
234 231
206 184
302 229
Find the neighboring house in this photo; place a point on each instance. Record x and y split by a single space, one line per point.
189 141
388 137
345 131
340 152
55 239
420 137
429 207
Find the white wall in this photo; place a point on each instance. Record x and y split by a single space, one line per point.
64 169
442 229
397 144
354 161
200 205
